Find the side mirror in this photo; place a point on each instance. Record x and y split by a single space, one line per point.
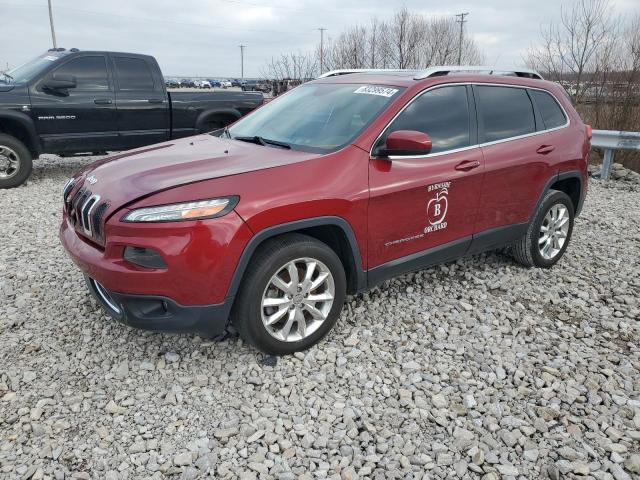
61 82
406 142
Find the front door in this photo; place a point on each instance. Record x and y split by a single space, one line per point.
422 209
80 119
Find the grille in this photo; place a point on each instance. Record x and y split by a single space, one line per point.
85 212
96 221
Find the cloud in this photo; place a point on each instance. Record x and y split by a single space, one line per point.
201 37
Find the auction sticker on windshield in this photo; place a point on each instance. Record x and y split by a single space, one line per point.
374 90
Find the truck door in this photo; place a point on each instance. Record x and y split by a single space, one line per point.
80 119
141 102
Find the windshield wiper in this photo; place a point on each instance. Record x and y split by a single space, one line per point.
263 141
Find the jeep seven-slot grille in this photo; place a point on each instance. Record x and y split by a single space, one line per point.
85 211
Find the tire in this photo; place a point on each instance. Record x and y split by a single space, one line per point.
15 162
270 260
532 250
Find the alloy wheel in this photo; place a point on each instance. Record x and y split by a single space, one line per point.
554 231
9 162
297 299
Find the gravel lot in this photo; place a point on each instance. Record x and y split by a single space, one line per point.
474 369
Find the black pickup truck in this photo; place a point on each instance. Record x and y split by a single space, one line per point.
70 101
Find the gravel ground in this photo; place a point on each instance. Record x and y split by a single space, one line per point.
478 368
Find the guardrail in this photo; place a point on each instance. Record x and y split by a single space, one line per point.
610 141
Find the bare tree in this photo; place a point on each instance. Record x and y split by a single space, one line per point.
577 46
596 56
407 40
293 66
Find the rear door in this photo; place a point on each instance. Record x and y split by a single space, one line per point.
420 203
80 119
517 165
141 101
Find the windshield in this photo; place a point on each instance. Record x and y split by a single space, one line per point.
317 117
27 71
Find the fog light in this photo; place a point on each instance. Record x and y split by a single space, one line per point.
144 257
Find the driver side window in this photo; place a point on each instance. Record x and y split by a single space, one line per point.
441 113
90 73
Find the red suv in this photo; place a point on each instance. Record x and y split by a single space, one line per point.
326 191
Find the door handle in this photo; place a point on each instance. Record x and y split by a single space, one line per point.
102 101
155 100
467 165
545 149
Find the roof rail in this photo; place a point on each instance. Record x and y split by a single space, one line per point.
445 70
345 71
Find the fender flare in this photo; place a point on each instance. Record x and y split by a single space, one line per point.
270 232
206 114
556 178
26 122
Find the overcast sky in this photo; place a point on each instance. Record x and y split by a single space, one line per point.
201 37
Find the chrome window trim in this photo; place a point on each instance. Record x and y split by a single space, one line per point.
470 147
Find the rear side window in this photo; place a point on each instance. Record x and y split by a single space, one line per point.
442 113
505 111
90 73
552 114
133 74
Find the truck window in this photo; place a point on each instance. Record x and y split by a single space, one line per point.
133 74
90 73
506 112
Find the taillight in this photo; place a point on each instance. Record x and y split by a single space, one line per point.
589 132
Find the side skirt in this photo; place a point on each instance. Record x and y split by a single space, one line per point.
473 244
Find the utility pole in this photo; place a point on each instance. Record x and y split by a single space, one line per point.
53 32
242 47
461 21
321 49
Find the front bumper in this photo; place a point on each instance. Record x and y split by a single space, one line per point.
152 312
190 295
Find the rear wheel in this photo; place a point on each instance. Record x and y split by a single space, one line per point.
548 233
291 295
15 162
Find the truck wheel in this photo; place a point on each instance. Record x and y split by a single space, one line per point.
15 162
548 233
291 295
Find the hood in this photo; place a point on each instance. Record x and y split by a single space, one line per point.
122 178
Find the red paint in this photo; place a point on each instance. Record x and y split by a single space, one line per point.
409 141
394 207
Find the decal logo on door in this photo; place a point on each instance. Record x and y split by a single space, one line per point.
437 207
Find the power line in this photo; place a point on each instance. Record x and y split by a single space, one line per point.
322 30
461 22
53 31
242 47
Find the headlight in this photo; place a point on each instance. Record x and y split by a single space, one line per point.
215 207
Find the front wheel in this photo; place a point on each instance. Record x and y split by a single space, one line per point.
15 162
291 295
548 233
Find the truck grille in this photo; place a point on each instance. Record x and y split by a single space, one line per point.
85 212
